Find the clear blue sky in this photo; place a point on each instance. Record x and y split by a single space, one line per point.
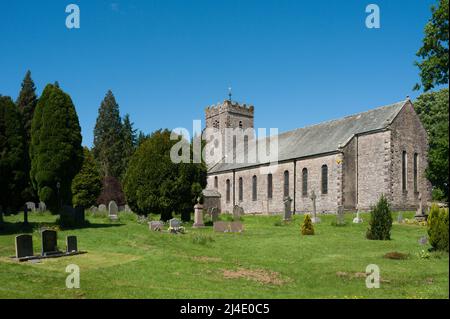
298 62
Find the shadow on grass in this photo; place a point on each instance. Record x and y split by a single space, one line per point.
20 228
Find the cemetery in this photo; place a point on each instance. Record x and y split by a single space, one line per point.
238 256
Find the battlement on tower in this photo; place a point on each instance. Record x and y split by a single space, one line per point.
229 107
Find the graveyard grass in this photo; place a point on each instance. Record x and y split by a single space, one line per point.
268 260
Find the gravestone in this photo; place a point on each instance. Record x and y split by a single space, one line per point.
357 219
102 208
236 227
214 214
174 223
237 212
127 209
221 227
315 219
423 240
49 242
71 244
113 210
400 218
420 215
287 208
340 216
156 225
24 246
93 209
198 216
31 206
80 216
42 207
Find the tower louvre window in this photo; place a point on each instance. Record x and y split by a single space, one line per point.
228 190
269 186
241 189
254 188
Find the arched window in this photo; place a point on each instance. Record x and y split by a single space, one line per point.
254 188
416 170
241 189
228 195
269 186
305 182
216 182
324 179
404 167
286 183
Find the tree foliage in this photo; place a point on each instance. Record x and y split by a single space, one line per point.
434 62
111 190
108 138
87 184
438 228
129 141
55 151
380 221
13 156
154 184
432 109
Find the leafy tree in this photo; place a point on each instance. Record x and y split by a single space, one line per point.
437 225
55 151
27 102
155 184
111 190
129 141
108 138
13 156
432 108
141 138
434 52
87 184
380 221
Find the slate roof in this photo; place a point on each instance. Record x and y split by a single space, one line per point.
325 137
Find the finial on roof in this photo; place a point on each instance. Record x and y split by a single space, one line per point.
229 94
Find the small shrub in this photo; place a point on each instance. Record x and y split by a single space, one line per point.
380 221
202 239
396 255
438 228
307 226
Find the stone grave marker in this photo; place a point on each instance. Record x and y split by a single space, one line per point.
42 207
156 225
24 246
423 240
127 209
174 223
340 216
49 242
315 219
287 208
113 210
221 227
71 244
80 216
237 212
236 227
400 218
214 214
31 206
198 217
102 208
357 219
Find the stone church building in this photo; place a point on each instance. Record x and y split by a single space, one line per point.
347 162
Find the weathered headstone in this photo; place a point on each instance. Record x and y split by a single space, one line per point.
221 226
420 215
237 212
102 208
315 219
42 207
198 216
49 242
340 216
93 209
236 227
71 244
127 209
423 240
31 206
400 218
24 246
156 225
174 223
214 214
287 208
357 219
113 210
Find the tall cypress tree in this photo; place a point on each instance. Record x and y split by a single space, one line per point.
13 156
55 151
129 141
26 103
108 138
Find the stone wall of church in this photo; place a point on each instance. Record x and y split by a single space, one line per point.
373 174
408 135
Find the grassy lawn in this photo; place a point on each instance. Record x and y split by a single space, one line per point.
126 260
